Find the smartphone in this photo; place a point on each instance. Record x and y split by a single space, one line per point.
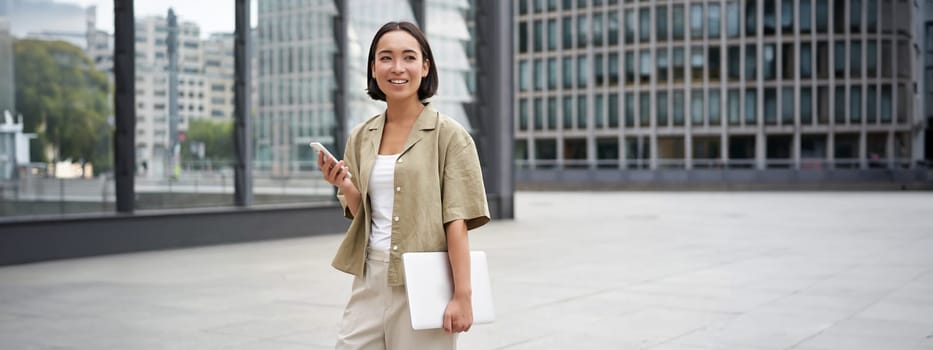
317 146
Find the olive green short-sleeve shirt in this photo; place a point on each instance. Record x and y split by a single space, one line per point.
438 179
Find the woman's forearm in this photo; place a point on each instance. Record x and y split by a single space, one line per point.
458 250
351 196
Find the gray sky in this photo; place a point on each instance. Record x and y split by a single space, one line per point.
212 15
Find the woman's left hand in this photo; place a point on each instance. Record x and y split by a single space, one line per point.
459 315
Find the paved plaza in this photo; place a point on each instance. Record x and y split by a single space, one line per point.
574 270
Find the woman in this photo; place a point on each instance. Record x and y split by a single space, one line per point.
410 181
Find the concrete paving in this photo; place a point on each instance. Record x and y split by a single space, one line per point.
574 270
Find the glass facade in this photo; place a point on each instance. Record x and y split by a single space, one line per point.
701 68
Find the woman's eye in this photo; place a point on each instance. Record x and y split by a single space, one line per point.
385 58
410 58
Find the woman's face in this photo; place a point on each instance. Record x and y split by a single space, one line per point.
399 66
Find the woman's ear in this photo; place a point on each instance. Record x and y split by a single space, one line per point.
426 68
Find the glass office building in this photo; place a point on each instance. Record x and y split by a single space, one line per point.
654 87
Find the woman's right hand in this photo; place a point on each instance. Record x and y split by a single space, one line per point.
335 172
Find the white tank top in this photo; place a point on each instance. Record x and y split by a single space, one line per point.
382 199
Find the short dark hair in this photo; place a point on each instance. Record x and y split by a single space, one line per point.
428 84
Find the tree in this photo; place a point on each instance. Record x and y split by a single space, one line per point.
65 100
216 136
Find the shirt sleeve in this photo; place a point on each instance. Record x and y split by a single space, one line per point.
463 194
350 159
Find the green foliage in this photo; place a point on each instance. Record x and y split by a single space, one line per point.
65 100
217 137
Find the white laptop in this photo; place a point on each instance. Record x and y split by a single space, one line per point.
430 287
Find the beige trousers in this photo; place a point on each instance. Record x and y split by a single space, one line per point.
377 316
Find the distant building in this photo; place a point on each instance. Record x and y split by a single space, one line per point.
625 91
14 146
205 81
7 76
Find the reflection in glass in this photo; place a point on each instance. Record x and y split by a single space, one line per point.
751 111
822 16
769 20
713 15
597 30
855 104
787 16
644 24
735 61
552 73
644 108
599 113
567 32
750 62
613 110
613 19
552 113
769 62
629 26
647 66
678 60
568 112
568 72
732 103
839 111
871 104
770 105
751 14
538 113
662 65
806 59
629 109
582 72
552 34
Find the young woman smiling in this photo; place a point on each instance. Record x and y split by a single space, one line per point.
416 185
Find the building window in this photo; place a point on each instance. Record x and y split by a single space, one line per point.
787 16
732 19
696 21
661 22
568 112
871 16
662 65
751 110
787 106
840 104
855 16
787 61
646 65
629 110
769 62
734 63
696 107
582 113
538 43
750 62
805 16
713 15
822 105
751 15
855 63
822 60
613 19
552 113
629 26
629 67
714 106
567 32
613 69
568 72
613 110
822 16
598 73
769 21
678 60
662 108
886 104
678 21
732 106
697 62
855 104
806 65
597 30
582 28
679 108
523 114
524 75
644 109
582 72
539 75
806 105
839 17
538 113
644 24
871 55
839 59
871 104
770 105
552 34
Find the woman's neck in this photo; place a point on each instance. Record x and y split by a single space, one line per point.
403 111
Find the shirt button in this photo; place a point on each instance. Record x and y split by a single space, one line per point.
395 247
396 218
398 189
